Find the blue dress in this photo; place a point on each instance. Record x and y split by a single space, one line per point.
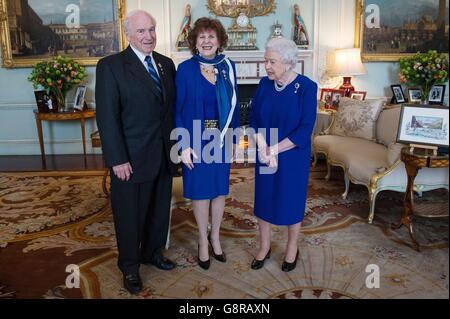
280 197
196 101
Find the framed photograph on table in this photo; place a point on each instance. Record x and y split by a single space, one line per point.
436 96
358 95
34 30
325 96
78 104
336 98
398 95
415 95
424 124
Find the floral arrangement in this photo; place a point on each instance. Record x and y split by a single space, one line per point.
58 75
424 70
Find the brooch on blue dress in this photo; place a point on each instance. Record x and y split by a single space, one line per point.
297 86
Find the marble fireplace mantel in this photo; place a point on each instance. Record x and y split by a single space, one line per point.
249 64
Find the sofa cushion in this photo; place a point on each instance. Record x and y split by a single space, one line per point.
356 118
387 125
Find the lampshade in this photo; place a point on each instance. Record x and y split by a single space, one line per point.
348 63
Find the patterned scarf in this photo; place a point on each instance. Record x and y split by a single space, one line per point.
225 89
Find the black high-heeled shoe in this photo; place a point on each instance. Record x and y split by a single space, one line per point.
286 266
257 264
222 258
204 264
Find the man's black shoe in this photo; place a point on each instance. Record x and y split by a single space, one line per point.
161 262
132 283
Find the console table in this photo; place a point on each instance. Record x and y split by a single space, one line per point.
62 116
414 161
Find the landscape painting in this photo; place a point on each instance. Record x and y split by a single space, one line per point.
85 30
390 29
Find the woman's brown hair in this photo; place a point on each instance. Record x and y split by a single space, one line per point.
203 24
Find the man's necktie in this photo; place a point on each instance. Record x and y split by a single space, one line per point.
153 73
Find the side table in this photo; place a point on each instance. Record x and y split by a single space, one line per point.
62 116
415 160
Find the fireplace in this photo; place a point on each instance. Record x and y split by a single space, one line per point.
245 95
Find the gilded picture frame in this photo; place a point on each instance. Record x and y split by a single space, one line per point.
31 34
232 8
389 30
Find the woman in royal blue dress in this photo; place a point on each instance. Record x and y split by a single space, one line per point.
207 104
285 101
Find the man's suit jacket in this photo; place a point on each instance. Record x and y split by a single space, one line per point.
133 119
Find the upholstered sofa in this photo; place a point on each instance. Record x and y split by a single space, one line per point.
362 141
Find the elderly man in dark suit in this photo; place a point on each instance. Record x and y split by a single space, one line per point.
135 96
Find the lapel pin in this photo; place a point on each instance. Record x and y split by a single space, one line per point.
297 86
161 68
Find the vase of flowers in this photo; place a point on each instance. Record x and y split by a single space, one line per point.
57 76
424 70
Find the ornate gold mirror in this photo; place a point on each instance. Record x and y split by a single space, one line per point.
232 8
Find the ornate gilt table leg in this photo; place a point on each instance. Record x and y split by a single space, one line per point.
406 219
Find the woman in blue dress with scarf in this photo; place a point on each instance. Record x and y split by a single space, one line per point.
207 109
285 101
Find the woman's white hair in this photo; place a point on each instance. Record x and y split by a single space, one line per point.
286 48
131 14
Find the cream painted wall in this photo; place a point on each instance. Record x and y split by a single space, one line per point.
330 24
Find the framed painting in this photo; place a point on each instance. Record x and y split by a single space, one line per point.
387 30
34 30
425 124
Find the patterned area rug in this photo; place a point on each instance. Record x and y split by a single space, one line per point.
51 220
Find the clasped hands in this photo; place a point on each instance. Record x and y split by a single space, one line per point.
268 155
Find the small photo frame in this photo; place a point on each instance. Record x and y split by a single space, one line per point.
336 98
45 102
358 95
415 95
398 95
325 97
423 124
78 104
436 96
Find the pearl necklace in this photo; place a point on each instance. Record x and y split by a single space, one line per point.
282 87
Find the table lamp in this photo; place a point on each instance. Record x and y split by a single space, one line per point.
347 63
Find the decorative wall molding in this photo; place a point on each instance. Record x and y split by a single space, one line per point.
31 147
28 106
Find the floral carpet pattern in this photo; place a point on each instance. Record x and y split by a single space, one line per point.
51 220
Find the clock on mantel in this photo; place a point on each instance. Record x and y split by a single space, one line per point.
242 34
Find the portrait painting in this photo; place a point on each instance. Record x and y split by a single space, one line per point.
387 30
85 30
